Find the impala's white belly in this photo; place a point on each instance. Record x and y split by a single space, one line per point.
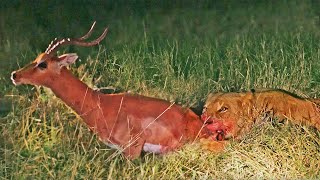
147 147
154 148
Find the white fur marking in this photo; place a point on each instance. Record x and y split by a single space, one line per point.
13 81
147 147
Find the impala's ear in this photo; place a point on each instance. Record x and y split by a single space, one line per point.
67 59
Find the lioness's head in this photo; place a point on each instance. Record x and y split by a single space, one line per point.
222 113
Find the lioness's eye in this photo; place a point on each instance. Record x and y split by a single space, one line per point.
222 109
42 65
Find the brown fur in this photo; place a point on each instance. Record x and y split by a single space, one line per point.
231 115
131 123
126 120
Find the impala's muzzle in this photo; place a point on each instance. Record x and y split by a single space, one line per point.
16 78
13 77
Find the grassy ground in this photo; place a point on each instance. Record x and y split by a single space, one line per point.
176 51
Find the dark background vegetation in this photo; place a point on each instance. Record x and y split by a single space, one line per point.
26 28
174 50
202 22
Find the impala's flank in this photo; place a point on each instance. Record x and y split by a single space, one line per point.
128 122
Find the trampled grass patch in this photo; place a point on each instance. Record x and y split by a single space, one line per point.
177 52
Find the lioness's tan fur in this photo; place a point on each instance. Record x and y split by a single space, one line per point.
246 108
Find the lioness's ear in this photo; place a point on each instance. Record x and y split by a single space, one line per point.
211 96
67 59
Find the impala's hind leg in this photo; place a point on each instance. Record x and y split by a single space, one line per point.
133 149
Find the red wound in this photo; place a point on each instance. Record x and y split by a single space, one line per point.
218 129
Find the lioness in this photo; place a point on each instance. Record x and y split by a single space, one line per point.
231 115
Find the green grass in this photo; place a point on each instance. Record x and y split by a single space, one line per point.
176 51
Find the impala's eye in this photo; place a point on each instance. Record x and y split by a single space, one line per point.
42 65
223 109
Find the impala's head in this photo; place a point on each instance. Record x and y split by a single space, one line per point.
47 66
42 70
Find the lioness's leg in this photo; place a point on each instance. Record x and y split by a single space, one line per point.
214 146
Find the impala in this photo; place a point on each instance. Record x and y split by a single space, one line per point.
130 123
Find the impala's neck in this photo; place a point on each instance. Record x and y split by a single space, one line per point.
76 94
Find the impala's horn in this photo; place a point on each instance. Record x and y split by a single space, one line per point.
55 44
